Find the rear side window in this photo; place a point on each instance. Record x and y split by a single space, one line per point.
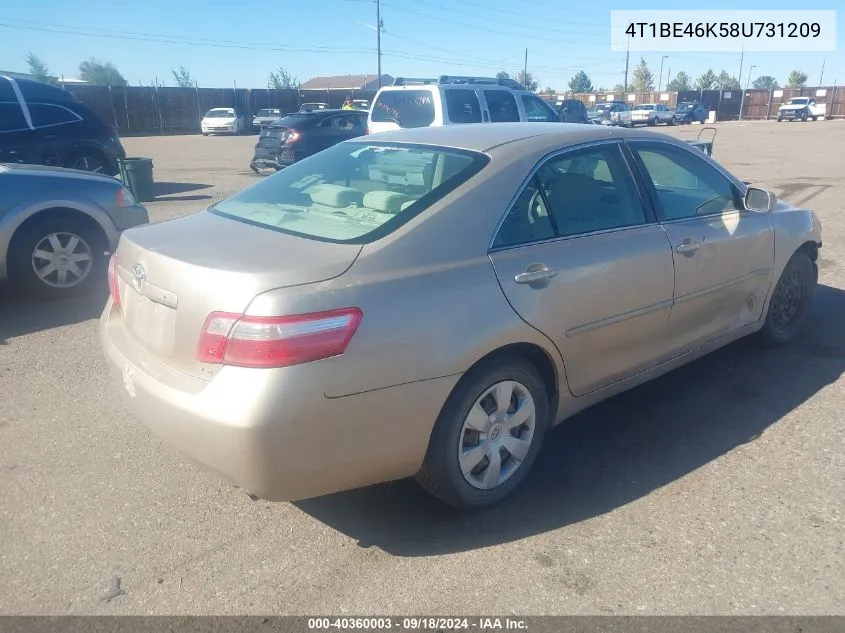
11 117
46 115
462 106
537 110
353 193
407 108
344 122
502 106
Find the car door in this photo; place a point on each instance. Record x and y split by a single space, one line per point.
462 105
56 130
581 259
17 139
538 110
722 254
501 105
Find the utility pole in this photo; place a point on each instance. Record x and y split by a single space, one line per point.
747 83
378 38
660 81
627 56
739 76
821 75
525 69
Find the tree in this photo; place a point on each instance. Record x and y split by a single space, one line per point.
727 82
502 75
680 82
282 80
796 79
580 82
101 73
642 79
707 81
619 88
766 82
37 68
527 80
183 78
548 90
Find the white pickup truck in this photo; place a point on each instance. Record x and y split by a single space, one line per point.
800 109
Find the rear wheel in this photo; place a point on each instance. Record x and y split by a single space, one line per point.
56 258
87 161
487 435
789 302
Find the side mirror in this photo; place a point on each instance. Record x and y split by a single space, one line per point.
760 200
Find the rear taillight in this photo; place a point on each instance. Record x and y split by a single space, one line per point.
293 136
253 341
114 289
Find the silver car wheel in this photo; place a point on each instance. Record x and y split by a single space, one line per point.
496 435
62 260
87 163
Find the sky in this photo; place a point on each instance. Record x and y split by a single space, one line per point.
226 42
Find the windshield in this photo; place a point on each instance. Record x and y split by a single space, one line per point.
220 113
407 108
798 101
685 106
601 107
353 192
645 107
313 106
269 113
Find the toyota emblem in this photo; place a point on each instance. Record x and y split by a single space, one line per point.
139 276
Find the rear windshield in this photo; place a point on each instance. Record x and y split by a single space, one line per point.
645 107
408 108
269 113
353 192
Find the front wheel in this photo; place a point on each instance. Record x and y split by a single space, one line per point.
804 116
789 302
488 434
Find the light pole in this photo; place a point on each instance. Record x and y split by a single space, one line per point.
747 83
660 81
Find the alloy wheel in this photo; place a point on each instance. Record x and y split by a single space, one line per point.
88 163
62 260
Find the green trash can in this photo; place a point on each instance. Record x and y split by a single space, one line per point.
137 174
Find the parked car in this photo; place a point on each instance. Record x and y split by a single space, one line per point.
319 337
800 109
689 111
450 100
41 124
302 134
56 225
572 111
308 107
648 113
266 117
603 112
224 121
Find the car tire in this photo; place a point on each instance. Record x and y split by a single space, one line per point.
803 116
457 427
88 160
779 119
27 267
787 311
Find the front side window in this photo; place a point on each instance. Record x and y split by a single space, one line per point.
353 193
579 192
11 117
47 115
502 106
684 185
537 110
407 108
462 106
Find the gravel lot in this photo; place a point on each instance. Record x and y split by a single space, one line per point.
715 490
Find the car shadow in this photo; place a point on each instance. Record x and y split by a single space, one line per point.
21 315
617 451
169 188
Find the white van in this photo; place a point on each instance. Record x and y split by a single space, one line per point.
453 100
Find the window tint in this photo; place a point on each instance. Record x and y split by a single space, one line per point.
502 106
462 106
537 110
685 185
353 192
408 108
346 122
579 192
45 115
11 117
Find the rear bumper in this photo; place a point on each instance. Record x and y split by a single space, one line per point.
274 432
270 158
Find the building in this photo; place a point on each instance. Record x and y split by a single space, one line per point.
346 83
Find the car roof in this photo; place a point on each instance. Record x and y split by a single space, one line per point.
33 90
485 137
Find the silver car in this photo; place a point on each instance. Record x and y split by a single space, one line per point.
430 301
57 225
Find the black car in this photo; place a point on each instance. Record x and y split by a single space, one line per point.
41 124
572 111
302 134
689 111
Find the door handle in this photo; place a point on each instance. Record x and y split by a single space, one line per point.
689 245
535 273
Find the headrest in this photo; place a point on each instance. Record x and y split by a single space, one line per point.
334 195
387 201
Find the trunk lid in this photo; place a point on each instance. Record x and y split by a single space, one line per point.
173 274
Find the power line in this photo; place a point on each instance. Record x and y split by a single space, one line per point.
543 18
